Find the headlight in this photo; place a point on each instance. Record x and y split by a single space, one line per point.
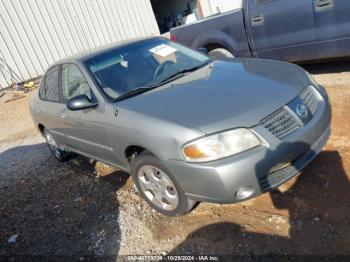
220 145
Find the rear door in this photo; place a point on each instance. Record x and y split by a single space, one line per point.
332 20
51 107
281 29
86 129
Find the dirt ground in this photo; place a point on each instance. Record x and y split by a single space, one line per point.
84 208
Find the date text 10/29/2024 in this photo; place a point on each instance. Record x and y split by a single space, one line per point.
173 258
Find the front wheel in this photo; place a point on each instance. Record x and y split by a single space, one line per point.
220 53
59 153
158 187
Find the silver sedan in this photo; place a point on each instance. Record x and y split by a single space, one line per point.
187 128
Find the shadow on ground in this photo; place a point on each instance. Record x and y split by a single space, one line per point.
319 218
57 209
328 67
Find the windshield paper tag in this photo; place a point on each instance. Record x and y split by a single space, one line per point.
163 50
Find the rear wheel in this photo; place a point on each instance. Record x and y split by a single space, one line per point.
158 187
59 153
219 53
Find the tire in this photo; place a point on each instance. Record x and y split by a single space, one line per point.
220 53
154 180
57 151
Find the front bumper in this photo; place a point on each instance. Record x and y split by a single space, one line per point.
259 170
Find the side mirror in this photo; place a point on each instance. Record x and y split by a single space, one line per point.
203 50
80 102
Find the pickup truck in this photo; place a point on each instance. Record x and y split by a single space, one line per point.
294 31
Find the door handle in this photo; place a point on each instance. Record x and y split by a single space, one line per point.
321 5
258 19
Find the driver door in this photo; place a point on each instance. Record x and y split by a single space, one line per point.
85 129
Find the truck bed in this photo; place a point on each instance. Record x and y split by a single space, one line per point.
225 30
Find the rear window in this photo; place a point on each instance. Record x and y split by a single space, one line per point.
49 89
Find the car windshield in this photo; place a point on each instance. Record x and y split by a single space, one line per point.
142 65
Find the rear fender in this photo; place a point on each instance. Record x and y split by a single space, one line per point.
215 38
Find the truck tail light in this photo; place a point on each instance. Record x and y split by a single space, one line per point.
173 38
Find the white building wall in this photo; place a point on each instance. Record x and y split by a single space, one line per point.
36 33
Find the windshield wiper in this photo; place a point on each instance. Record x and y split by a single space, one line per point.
133 92
172 77
167 79
192 69
177 75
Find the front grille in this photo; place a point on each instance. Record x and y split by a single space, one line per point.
280 123
309 98
283 122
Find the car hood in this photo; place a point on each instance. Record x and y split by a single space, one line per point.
224 94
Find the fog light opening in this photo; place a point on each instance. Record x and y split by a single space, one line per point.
244 192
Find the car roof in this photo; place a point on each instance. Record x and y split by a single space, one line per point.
84 55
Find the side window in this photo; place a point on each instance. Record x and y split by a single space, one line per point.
73 82
49 88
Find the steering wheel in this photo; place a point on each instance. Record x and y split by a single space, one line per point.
161 67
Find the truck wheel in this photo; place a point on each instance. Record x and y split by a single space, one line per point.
60 154
220 53
158 187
